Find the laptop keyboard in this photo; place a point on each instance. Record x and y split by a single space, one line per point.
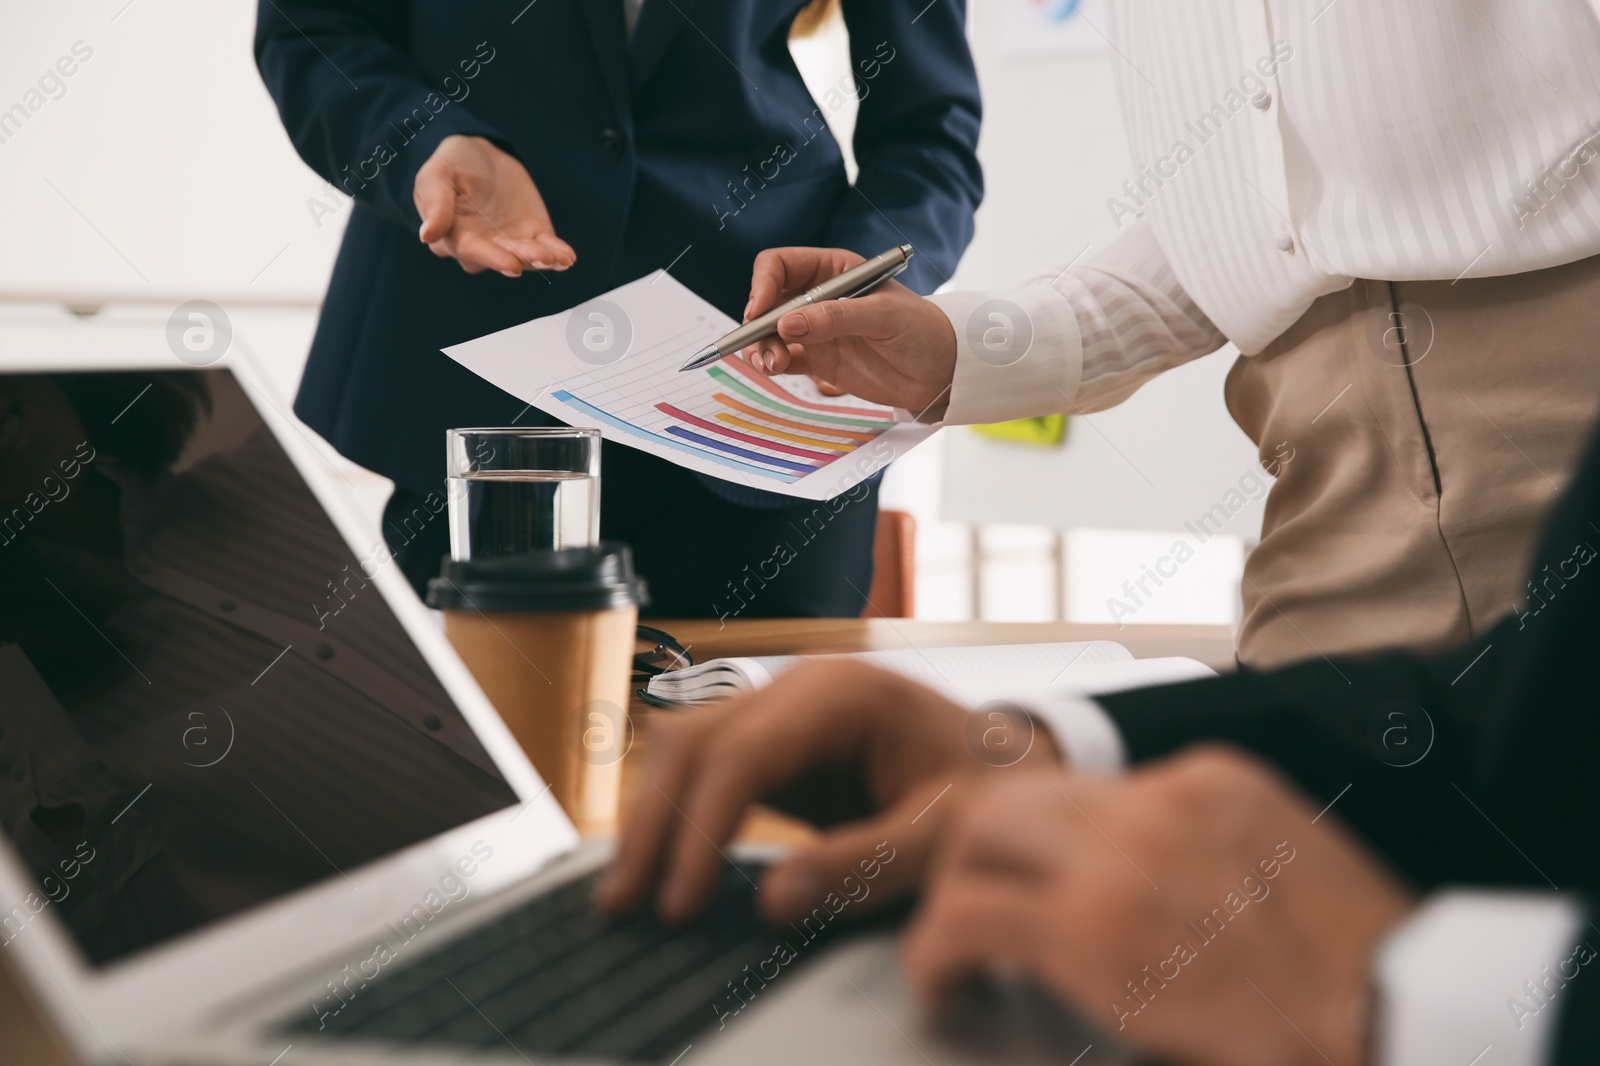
553 977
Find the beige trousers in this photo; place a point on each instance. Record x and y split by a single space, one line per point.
1429 426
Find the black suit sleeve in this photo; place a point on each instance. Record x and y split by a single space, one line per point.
1473 765
916 136
359 110
1385 737
1578 1028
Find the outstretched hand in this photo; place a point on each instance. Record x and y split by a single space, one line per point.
480 207
889 346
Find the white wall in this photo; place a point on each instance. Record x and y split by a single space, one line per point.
162 169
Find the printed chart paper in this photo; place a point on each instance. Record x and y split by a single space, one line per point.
612 364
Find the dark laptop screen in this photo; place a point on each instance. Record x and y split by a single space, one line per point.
204 701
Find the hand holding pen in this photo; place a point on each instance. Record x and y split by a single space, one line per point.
889 345
863 277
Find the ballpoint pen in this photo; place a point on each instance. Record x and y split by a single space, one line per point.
853 282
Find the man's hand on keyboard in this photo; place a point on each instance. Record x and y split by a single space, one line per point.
1104 891
872 757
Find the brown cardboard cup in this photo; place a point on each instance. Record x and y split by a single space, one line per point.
549 635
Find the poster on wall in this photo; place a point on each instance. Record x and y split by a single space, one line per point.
1051 28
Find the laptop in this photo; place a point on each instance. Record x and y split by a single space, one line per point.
254 810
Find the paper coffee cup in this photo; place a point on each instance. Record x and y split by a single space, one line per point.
549 635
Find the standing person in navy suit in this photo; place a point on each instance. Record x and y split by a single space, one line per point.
557 149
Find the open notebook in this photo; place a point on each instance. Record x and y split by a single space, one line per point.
971 675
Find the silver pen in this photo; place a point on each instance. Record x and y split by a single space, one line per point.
853 282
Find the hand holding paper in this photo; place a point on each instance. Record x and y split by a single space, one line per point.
612 364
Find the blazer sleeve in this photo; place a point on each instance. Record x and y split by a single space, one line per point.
1475 765
916 136
358 109
1578 1026
1382 740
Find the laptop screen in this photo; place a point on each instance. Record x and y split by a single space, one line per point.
205 703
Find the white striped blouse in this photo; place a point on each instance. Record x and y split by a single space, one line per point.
1284 148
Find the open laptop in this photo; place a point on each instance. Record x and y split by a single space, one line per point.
254 810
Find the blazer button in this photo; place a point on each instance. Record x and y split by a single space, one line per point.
612 140
324 651
433 721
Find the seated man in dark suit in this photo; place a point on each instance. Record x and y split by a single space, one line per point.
595 142
1468 768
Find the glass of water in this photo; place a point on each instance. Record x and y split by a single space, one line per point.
515 490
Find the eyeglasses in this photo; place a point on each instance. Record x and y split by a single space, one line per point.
655 652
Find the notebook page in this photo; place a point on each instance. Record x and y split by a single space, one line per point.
990 667
1099 679
972 673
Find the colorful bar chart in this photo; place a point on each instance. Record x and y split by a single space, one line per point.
753 421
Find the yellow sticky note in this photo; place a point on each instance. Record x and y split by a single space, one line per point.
1046 431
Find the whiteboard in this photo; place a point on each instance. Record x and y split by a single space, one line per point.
1054 152
1157 461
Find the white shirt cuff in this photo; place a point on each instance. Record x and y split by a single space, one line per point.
1088 738
1475 977
1019 354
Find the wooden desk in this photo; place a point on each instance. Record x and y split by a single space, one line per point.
706 640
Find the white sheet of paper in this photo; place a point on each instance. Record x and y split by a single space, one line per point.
612 364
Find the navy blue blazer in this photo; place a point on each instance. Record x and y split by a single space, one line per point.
695 145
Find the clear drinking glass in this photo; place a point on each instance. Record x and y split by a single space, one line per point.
517 489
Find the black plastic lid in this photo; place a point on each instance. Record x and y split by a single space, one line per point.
566 579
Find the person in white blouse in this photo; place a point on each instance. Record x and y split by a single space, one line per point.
1392 208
